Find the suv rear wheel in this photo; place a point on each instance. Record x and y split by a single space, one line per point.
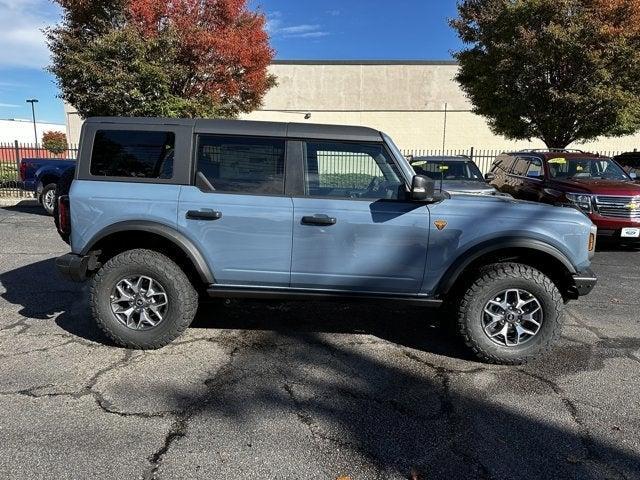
511 314
142 299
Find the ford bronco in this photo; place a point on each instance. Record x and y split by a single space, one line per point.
162 212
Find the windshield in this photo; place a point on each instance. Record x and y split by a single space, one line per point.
602 168
448 169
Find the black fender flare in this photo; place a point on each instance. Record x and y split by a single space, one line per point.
165 231
474 253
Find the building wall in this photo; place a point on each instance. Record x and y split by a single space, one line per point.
404 99
73 124
22 130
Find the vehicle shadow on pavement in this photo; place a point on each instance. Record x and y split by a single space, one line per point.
414 327
365 408
27 206
42 294
616 246
369 411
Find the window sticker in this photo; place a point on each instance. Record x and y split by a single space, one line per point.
558 161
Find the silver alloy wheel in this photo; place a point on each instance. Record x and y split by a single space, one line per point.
512 318
49 200
139 302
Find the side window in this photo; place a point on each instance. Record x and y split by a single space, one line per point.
133 153
242 164
520 166
502 164
535 168
351 170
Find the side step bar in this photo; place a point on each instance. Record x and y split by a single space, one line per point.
285 293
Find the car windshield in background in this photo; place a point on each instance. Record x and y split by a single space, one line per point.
578 168
449 170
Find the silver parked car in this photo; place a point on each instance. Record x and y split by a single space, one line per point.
458 174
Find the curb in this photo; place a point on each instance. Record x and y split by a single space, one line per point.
13 202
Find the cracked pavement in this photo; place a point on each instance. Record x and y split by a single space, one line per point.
306 390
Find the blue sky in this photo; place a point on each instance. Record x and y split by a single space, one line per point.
303 29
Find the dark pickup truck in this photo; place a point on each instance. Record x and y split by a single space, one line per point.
41 176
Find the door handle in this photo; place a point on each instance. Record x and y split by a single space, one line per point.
203 215
318 220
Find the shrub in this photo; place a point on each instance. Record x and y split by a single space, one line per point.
55 142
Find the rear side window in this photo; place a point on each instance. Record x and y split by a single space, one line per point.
502 164
520 166
133 153
242 164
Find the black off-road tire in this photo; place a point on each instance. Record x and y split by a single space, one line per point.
181 295
492 280
49 208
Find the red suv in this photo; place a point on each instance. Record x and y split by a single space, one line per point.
597 185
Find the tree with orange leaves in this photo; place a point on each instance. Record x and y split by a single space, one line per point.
185 58
558 70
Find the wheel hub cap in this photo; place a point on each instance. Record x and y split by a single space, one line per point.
49 199
139 302
512 317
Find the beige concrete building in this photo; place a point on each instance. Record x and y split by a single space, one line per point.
406 99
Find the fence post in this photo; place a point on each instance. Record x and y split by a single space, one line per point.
471 153
16 149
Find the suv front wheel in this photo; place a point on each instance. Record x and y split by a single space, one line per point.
142 299
510 314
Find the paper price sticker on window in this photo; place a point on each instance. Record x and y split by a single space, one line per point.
558 161
444 167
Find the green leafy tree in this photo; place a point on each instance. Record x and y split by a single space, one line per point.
187 58
558 70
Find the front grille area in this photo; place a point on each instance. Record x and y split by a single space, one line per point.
618 207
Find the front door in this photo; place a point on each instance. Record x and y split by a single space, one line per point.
237 213
353 228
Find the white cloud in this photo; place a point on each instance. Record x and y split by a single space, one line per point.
21 23
299 29
274 21
9 105
277 28
317 34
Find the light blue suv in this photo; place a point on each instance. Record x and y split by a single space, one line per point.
164 211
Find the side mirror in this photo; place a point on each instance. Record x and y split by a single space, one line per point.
490 177
422 188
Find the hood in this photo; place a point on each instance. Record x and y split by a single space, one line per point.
599 186
466 186
515 208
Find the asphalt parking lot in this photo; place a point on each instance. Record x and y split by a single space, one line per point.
306 390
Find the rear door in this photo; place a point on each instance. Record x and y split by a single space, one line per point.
236 212
532 187
516 176
353 227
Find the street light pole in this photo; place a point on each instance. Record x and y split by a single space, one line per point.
33 101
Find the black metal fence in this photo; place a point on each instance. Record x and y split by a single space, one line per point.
10 156
12 153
